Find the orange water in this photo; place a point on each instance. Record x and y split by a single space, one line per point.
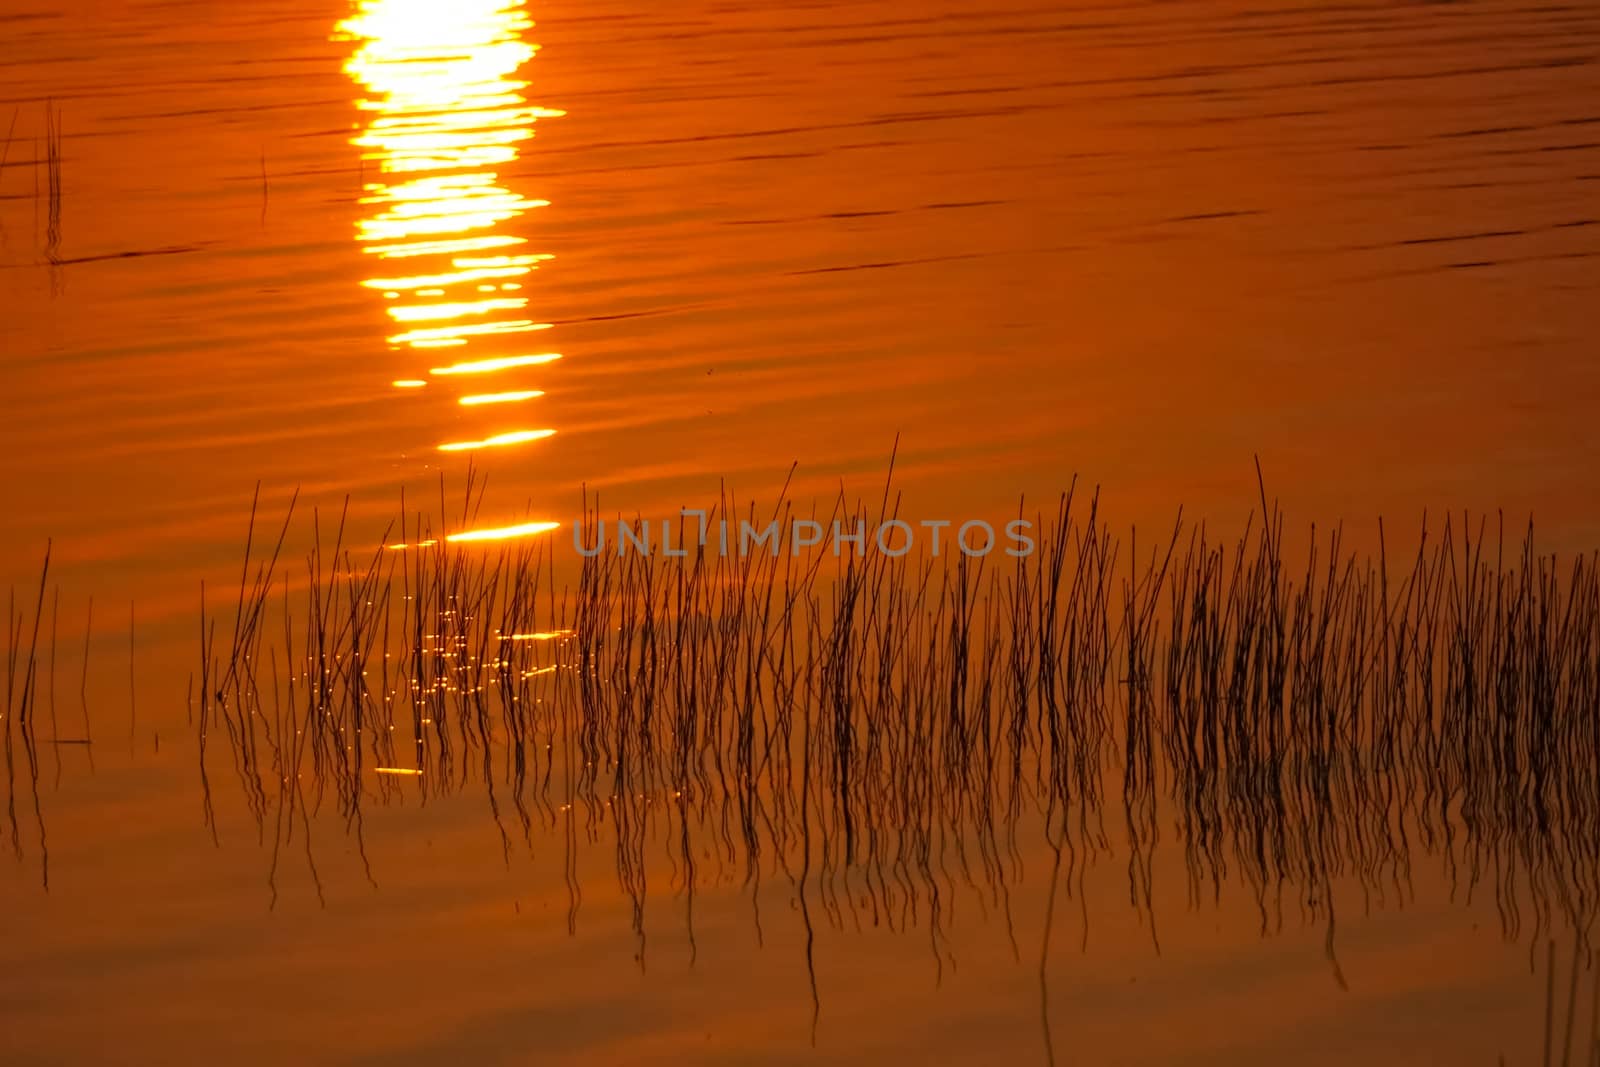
1144 243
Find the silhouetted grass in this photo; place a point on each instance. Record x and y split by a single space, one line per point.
876 731
30 664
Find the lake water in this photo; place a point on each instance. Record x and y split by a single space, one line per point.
344 250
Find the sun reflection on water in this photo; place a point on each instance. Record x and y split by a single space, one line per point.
443 114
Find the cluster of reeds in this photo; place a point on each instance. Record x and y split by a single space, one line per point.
1313 728
33 645
30 690
882 735
877 728
48 155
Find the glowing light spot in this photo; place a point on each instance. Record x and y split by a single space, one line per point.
489 366
504 533
500 398
419 544
436 281
492 262
435 312
444 248
483 329
516 437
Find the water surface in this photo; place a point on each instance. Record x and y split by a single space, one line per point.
1141 243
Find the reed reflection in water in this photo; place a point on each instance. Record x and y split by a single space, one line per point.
444 115
889 735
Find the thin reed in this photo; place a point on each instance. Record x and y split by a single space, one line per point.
53 132
5 146
22 692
